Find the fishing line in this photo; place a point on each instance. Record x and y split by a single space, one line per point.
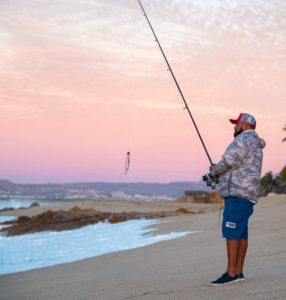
130 100
177 85
128 155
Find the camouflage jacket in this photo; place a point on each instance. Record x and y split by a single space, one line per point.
239 169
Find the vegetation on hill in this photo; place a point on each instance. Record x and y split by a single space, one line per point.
270 183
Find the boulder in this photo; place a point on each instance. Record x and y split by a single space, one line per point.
117 218
23 219
75 210
182 210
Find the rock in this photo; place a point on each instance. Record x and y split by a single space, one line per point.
200 197
194 197
23 219
7 209
197 211
117 218
272 194
215 197
182 210
89 211
75 210
34 204
75 218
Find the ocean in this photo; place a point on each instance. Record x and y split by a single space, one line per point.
37 250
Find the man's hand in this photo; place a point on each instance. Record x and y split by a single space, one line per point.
212 167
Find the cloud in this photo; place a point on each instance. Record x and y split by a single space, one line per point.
92 59
18 108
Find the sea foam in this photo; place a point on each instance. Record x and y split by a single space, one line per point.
37 250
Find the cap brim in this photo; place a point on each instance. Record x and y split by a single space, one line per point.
233 121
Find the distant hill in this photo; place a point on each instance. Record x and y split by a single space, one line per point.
96 190
6 185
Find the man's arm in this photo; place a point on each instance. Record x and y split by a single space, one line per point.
232 157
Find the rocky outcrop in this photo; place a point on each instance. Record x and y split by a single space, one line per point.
200 197
74 218
7 209
34 204
182 210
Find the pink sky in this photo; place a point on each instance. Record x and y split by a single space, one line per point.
82 82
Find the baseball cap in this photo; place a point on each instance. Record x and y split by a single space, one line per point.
244 117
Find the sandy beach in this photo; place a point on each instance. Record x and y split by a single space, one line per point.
173 269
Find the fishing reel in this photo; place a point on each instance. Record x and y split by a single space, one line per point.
211 180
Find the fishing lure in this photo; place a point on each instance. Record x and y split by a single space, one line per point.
127 162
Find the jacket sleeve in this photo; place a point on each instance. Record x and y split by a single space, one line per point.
232 157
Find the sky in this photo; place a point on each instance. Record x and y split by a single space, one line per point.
83 82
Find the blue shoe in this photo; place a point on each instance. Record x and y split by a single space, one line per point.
240 277
225 279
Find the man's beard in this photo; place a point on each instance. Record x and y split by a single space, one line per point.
236 133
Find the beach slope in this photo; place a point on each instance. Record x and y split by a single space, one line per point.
174 269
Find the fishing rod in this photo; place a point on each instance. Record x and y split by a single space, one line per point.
176 82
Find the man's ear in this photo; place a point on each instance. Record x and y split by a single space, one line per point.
245 126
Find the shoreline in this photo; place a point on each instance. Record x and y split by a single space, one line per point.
172 269
116 206
69 216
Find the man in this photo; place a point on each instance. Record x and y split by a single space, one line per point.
239 172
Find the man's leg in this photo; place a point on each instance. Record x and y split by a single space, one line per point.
230 275
236 252
242 248
232 256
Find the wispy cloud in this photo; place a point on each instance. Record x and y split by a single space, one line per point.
7 108
88 61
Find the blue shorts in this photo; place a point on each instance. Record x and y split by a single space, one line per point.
235 218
